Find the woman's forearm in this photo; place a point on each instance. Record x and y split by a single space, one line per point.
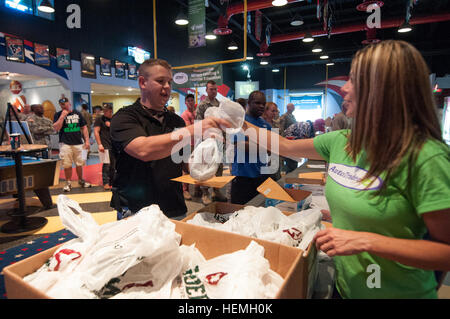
422 254
281 145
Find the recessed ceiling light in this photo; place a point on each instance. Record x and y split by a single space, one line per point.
296 23
405 27
308 38
279 3
249 58
324 57
232 46
317 49
210 36
181 19
275 70
264 62
330 63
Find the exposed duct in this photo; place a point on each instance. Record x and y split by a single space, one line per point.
386 24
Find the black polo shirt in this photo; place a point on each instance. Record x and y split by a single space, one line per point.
138 184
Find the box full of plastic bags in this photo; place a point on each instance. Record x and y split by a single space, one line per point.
268 223
150 256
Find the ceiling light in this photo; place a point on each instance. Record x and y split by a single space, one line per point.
46 7
210 36
324 57
181 19
317 49
405 27
275 70
279 3
232 46
330 63
130 89
264 62
308 37
92 92
296 22
249 58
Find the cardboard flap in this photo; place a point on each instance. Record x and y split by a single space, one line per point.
216 181
298 194
312 175
272 189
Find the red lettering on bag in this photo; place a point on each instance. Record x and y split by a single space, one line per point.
65 252
147 284
295 234
213 279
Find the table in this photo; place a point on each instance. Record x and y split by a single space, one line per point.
39 173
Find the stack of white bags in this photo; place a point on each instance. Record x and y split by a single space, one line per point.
141 257
296 230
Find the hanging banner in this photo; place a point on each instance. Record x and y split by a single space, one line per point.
189 78
258 25
197 28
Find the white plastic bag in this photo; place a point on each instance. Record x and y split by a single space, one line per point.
244 274
231 111
102 252
205 160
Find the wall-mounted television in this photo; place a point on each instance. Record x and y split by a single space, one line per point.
244 88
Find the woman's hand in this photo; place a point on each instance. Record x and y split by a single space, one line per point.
338 242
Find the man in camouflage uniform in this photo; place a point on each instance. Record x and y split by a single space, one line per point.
209 101
40 127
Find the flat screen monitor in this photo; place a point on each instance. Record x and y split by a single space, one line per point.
244 88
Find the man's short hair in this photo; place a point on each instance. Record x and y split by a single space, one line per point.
63 100
97 107
34 107
254 94
107 107
152 62
189 95
85 107
212 82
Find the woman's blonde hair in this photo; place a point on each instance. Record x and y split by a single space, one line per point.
395 109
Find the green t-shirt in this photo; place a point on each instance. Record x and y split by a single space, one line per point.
397 213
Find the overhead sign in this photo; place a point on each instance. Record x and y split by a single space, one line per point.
138 54
197 28
198 77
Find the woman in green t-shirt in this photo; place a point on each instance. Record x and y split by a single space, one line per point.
388 184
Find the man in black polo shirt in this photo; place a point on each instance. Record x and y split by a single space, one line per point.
143 143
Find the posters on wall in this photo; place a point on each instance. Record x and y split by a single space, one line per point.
197 28
41 54
14 49
105 67
197 77
120 69
63 58
79 99
132 71
88 66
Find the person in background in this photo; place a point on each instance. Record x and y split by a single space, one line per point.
87 117
270 112
40 127
171 109
72 131
319 126
210 101
103 137
286 120
248 174
242 102
97 112
340 121
388 184
144 140
300 130
189 117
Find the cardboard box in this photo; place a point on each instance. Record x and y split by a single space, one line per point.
307 265
287 261
216 181
285 199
